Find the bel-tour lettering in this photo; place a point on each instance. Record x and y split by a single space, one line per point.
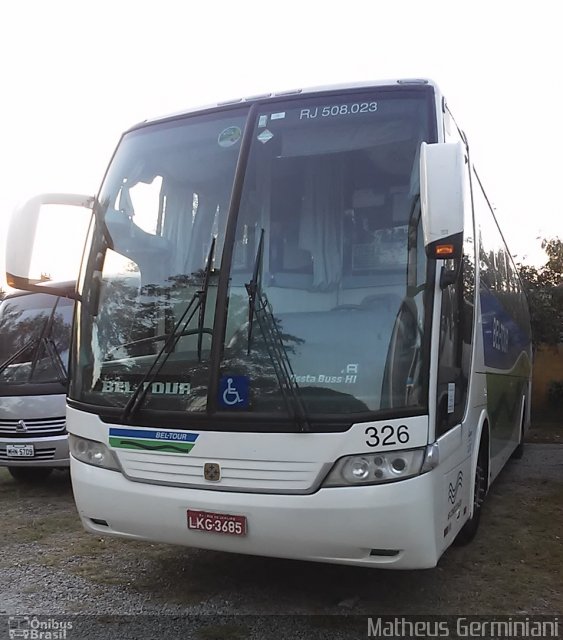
155 388
171 435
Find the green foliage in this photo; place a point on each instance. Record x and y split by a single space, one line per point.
544 286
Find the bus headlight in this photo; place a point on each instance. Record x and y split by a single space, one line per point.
375 468
92 452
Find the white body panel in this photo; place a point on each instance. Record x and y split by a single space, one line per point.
331 525
412 518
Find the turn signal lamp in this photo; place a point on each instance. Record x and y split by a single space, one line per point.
444 250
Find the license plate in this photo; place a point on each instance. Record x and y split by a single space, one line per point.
20 451
209 522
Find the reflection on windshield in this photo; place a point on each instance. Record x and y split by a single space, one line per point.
164 203
34 339
331 187
335 185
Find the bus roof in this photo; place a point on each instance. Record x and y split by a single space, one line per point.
294 92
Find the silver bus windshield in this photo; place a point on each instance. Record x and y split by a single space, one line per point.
34 341
315 301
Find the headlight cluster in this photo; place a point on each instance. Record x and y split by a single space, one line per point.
92 452
374 468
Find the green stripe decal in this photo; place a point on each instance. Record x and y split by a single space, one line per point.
151 445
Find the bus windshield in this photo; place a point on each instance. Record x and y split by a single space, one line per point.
34 340
313 279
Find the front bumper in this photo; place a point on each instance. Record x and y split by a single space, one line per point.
391 525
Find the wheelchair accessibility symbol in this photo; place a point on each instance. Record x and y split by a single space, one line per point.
233 392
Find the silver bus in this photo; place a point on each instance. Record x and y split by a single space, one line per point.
35 331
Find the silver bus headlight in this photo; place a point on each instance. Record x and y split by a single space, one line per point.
92 452
375 468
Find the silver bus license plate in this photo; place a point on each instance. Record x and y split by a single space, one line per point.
226 523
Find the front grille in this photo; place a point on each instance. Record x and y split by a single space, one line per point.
34 428
40 454
255 476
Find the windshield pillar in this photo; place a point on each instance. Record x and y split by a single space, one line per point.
220 324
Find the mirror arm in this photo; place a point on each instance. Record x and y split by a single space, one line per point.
450 276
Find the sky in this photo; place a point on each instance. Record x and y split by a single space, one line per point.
76 74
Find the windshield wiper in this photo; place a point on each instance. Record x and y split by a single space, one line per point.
50 348
27 345
259 308
253 287
34 344
203 297
200 331
53 352
198 299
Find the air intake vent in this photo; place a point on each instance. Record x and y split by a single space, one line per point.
99 521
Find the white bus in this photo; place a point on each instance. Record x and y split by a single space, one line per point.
299 332
35 333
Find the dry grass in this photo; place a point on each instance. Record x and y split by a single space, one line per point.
545 432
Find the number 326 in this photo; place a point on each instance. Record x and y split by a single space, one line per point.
387 436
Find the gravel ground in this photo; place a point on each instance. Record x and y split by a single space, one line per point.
50 566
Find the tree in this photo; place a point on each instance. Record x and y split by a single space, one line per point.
544 286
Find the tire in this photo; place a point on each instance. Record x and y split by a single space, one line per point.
469 529
30 475
519 451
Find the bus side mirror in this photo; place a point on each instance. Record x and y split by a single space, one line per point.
442 197
39 244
